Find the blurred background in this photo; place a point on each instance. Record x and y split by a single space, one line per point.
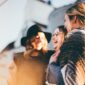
16 16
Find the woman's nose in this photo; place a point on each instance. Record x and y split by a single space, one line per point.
37 37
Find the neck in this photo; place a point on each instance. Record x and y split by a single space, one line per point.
31 52
35 53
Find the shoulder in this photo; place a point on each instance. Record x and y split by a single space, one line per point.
76 32
18 55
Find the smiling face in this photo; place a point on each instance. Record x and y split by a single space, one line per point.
39 41
57 39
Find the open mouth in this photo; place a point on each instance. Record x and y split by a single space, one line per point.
55 47
56 42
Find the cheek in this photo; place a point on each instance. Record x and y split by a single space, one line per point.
68 26
66 23
61 39
54 37
33 44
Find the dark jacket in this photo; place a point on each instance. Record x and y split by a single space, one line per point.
73 57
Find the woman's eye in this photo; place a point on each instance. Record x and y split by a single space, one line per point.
56 34
42 37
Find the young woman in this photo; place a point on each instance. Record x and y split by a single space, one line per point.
72 55
31 65
75 17
54 76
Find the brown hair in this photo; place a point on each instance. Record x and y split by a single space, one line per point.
77 10
62 29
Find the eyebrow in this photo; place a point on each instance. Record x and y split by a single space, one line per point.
55 34
58 33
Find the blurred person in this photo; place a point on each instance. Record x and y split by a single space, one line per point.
8 47
75 17
7 67
72 56
58 37
32 63
54 76
7 64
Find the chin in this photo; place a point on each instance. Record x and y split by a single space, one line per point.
39 48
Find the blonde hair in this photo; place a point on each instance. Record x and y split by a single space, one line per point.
79 10
44 47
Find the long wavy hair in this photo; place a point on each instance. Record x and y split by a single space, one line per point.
73 55
77 10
